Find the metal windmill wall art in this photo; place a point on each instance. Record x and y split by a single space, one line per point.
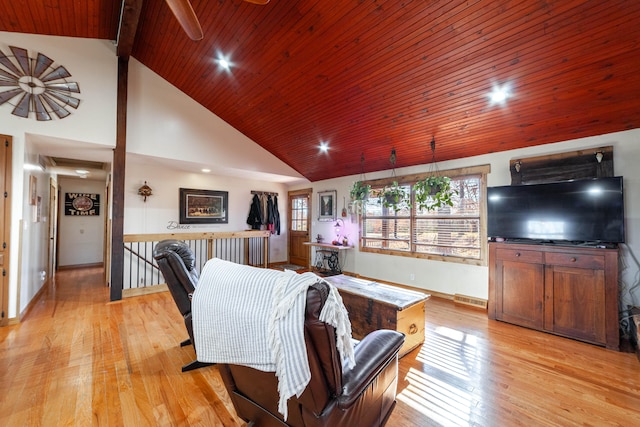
35 86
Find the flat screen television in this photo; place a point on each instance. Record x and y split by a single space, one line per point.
580 211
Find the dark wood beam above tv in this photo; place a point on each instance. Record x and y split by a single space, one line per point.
579 164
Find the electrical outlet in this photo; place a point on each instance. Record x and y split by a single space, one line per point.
412 276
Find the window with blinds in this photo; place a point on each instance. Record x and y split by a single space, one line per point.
448 233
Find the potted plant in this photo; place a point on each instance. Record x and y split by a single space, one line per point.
358 193
394 196
434 192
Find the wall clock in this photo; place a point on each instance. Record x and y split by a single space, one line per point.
35 86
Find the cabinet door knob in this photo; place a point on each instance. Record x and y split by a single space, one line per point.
573 259
517 253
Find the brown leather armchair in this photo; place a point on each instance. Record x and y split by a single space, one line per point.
177 264
363 396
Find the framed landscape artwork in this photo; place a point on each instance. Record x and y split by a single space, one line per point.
203 206
327 205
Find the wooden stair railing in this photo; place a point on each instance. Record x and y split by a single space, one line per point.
142 274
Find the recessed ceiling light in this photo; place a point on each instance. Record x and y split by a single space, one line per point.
500 94
206 170
324 146
224 62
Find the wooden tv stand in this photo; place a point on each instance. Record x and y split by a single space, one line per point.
565 290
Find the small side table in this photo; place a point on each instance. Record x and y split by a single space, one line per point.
327 257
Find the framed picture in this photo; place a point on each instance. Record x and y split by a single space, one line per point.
327 205
82 204
203 206
33 189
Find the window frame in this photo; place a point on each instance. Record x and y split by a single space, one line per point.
481 170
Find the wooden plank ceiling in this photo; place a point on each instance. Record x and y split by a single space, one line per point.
368 76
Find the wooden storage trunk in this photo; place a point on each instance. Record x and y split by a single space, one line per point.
374 306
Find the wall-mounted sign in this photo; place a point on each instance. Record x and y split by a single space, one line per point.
81 204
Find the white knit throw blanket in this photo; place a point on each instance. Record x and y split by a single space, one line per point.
255 317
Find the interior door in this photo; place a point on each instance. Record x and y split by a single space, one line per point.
299 226
5 225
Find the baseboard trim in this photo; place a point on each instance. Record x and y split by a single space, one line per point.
32 303
71 267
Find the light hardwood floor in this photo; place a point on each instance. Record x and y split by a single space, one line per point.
79 360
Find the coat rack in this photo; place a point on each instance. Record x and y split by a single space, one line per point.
266 193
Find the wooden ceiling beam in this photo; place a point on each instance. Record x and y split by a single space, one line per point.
129 18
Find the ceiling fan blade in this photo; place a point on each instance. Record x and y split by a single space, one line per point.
187 18
257 1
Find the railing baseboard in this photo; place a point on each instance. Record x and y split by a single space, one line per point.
136 292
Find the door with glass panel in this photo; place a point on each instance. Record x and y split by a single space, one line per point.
299 226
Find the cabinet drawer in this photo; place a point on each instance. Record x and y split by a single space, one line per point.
519 255
574 260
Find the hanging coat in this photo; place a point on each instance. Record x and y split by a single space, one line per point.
276 215
255 214
273 220
264 209
270 218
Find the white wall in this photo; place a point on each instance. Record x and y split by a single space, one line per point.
34 229
93 65
160 213
80 238
450 277
163 122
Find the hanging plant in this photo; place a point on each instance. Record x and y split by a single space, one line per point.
434 192
395 197
359 191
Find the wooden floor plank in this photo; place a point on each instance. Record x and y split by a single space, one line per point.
80 360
